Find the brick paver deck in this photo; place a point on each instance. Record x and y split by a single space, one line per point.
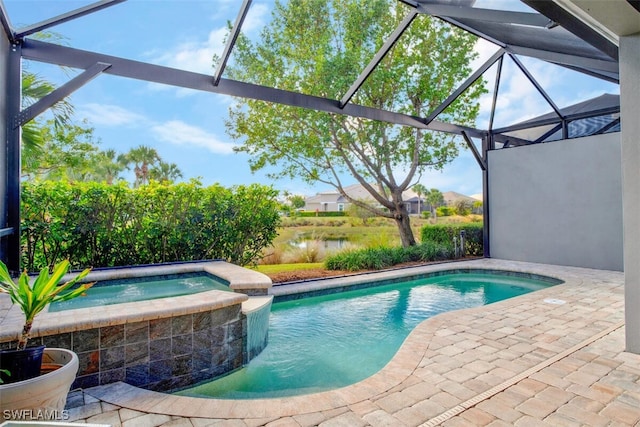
554 357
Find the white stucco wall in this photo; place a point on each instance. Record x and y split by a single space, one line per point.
630 108
558 203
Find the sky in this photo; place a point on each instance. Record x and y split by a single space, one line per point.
186 127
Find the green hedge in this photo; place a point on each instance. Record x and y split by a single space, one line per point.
443 234
101 225
384 257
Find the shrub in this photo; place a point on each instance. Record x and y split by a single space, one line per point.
312 251
385 257
445 211
444 234
463 207
273 255
99 225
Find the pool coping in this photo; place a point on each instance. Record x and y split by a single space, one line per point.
404 364
49 323
318 287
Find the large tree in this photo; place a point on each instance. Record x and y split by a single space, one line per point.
319 47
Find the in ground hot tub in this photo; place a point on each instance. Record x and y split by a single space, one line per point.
161 343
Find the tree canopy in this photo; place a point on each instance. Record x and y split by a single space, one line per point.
319 47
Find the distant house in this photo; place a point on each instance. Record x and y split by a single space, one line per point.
415 205
332 201
326 202
451 198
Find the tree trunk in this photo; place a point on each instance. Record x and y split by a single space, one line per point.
24 336
404 227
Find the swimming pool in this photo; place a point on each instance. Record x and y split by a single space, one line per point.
141 289
330 341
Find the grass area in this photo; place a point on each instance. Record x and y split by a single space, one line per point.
285 268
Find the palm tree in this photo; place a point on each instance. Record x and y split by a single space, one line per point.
34 88
142 158
435 199
165 172
420 189
108 165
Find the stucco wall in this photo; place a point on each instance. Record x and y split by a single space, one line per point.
558 203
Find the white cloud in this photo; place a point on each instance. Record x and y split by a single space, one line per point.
109 115
518 99
173 131
180 133
255 18
197 54
484 49
193 55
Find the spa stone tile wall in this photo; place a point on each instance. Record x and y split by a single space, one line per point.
161 354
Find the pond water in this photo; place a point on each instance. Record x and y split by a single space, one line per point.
328 244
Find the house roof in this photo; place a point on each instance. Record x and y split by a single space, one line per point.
534 35
596 115
453 197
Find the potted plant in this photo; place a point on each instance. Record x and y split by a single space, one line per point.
24 363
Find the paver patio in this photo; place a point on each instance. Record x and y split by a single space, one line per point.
553 357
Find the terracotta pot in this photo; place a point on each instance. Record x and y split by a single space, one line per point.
47 392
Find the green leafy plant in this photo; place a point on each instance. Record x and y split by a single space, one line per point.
444 234
445 211
4 372
33 298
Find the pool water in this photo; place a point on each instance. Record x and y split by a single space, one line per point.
119 291
325 342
